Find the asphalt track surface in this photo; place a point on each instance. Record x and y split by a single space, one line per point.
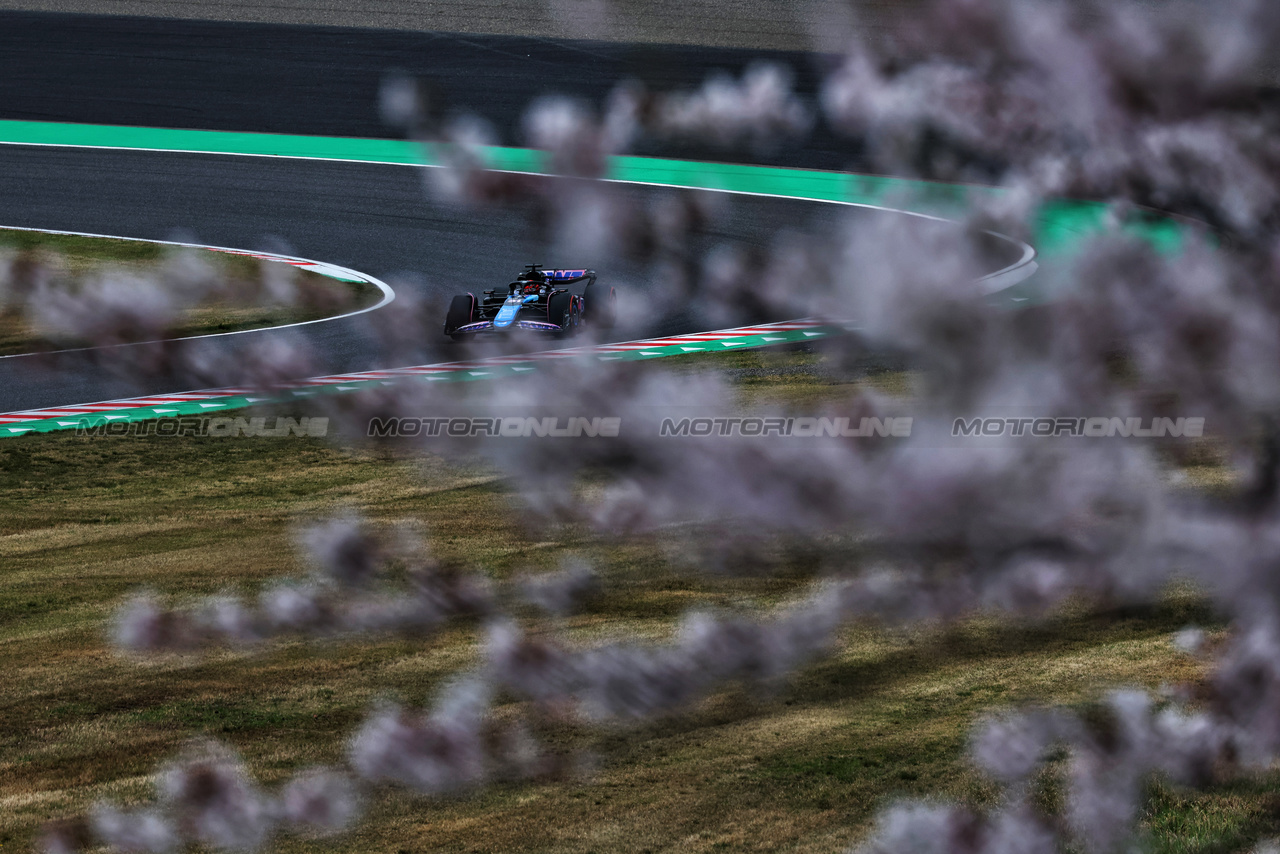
324 80
754 24
372 218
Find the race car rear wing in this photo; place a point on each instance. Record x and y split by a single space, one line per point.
565 277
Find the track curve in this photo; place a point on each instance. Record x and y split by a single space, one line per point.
370 218
388 295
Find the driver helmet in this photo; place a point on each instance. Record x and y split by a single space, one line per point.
532 287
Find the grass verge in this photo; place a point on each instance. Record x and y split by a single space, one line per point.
247 294
84 521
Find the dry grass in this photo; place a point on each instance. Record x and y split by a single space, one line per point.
85 521
799 376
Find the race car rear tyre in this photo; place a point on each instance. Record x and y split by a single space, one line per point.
602 305
461 312
560 311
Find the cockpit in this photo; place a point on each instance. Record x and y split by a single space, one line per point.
529 284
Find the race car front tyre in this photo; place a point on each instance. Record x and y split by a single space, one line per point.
461 312
560 311
601 305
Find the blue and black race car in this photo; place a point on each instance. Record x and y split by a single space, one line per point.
537 301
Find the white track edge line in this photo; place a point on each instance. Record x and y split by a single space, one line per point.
388 295
1024 264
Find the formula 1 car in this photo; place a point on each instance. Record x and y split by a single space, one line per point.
537 301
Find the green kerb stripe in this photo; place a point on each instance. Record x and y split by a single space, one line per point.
216 406
1061 224
212 141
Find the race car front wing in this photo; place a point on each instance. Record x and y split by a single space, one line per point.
489 326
